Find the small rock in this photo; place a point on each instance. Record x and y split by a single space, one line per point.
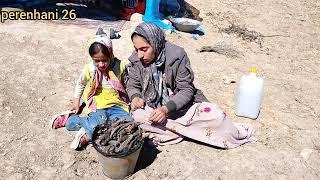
227 80
5 153
10 113
67 166
53 93
41 99
305 153
7 108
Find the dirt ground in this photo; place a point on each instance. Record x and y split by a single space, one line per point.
40 61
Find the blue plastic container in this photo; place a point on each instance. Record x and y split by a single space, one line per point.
152 14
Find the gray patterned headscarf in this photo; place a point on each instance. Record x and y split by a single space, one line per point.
154 89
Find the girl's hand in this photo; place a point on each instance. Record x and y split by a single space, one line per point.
136 103
159 115
74 105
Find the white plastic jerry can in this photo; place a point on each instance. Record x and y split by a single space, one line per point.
249 95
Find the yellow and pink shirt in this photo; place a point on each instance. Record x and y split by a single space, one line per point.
109 91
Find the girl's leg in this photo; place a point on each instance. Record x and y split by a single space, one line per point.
116 112
75 122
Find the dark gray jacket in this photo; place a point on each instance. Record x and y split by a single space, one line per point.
179 78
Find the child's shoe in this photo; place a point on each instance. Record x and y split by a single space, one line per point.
80 140
59 120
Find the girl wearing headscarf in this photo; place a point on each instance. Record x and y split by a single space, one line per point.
161 90
100 84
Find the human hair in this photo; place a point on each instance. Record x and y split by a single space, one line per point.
97 47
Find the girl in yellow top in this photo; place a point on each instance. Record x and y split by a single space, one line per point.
101 86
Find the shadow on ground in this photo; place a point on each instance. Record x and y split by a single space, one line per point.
147 156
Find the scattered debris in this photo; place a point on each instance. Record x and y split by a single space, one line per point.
220 50
227 80
41 99
244 33
247 35
5 153
224 47
114 34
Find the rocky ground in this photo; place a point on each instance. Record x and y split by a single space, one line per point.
40 60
